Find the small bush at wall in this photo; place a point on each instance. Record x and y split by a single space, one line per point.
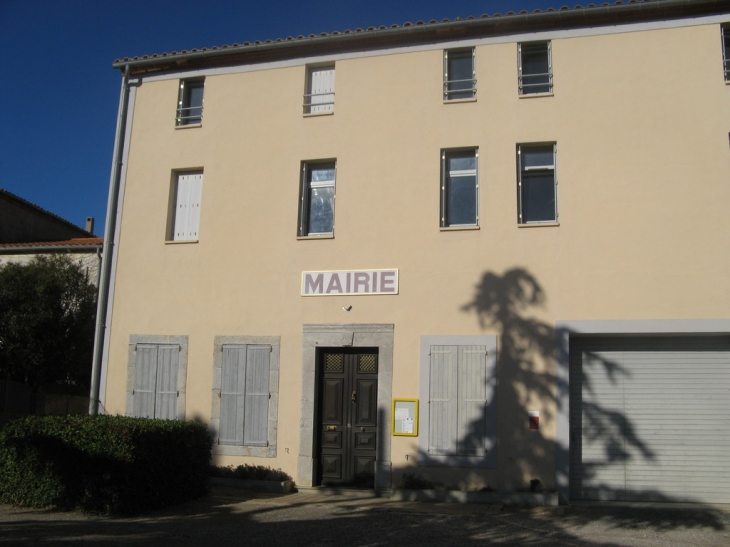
102 464
247 472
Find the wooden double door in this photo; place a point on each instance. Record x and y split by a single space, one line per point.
348 417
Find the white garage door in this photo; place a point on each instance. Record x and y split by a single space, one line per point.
650 419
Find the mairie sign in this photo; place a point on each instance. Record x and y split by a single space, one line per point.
350 282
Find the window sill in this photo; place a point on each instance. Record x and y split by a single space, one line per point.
317 114
317 236
538 224
239 450
458 228
535 95
189 126
180 241
453 101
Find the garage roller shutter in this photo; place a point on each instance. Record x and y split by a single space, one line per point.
650 419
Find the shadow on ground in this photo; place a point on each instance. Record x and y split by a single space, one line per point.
235 517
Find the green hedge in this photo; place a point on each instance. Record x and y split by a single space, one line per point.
103 464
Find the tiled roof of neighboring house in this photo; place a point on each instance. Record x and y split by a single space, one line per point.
27 203
497 24
80 242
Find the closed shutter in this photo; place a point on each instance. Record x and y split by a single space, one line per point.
256 406
233 379
443 400
187 206
182 207
472 400
196 191
166 389
322 89
649 419
145 378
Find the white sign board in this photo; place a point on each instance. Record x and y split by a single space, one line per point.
350 282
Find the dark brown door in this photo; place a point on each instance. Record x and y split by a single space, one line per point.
348 417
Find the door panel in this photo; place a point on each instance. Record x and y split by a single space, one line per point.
348 417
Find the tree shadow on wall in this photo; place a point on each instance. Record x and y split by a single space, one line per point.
508 305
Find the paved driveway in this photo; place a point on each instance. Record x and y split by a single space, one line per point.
230 517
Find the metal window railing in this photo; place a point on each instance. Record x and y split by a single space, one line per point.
187 115
310 106
536 83
456 87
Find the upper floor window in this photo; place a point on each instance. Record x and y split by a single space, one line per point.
190 102
537 184
726 51
535 68
185 221
317 199
319 97
459 188
459 74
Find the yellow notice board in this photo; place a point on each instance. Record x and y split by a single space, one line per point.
405 417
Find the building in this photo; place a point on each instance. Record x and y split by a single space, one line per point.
491 252
27 230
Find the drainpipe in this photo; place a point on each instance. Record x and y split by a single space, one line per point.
109 232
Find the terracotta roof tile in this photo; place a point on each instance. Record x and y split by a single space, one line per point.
75 242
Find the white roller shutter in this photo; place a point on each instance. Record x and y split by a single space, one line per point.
650 419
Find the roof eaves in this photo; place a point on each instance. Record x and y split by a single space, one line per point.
385 36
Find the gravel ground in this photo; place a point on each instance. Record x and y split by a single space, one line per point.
230 517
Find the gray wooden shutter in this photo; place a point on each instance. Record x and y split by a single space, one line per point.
471 430
166 389
233 380
145 377
443 400
256 407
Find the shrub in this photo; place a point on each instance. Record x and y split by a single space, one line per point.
102 464
247 472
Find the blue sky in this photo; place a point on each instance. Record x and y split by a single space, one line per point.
60 93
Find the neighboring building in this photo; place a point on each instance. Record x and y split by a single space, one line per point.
24 222
519 221
27 230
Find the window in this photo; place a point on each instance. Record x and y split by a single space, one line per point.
190 102
459 188
726 51
187 190
535 68
537 185
245 395
317 199
320 90
458 383
459 74
157 371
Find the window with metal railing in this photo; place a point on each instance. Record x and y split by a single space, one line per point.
535 68
190 103
319 97
537 190
459 74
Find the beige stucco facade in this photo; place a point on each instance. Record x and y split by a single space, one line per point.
640 118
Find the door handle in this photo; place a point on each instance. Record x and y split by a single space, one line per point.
353 398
